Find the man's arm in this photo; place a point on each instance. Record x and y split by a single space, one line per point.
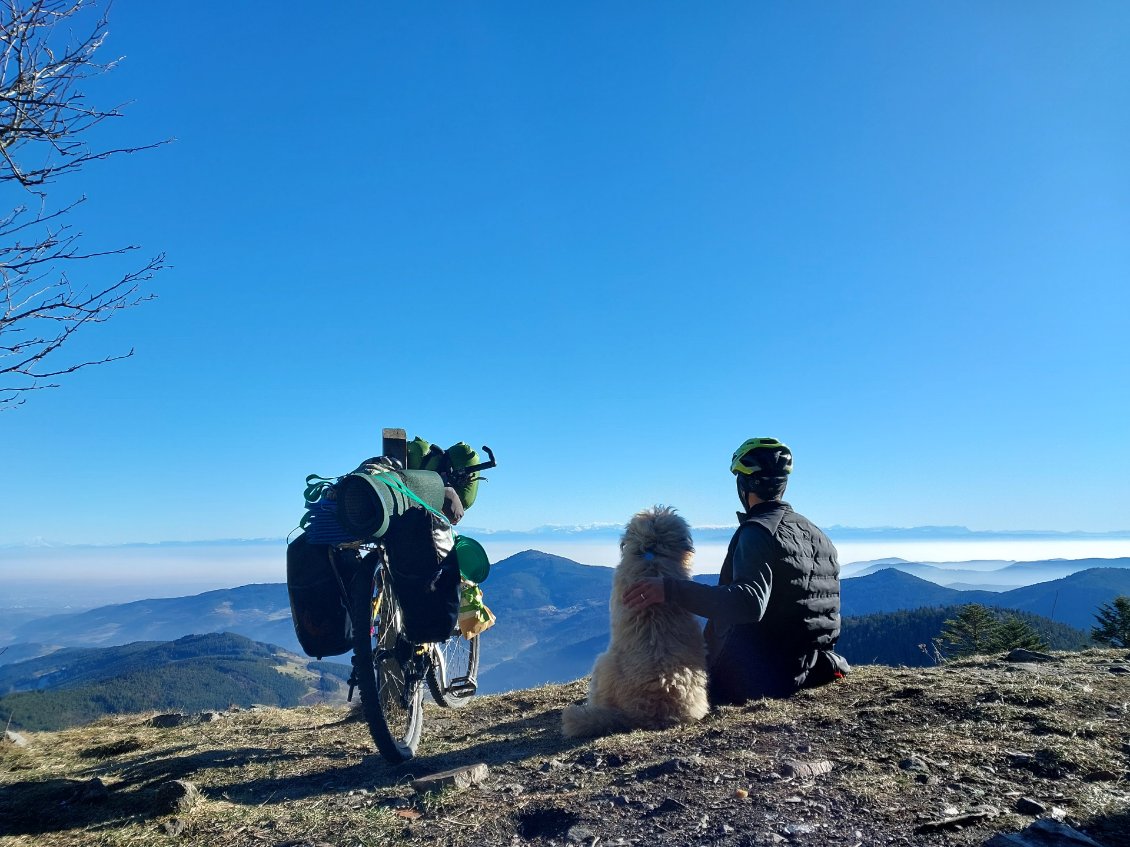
745 599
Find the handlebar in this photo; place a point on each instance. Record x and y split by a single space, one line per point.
463 475
482 466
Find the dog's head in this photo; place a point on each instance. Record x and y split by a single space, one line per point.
659 535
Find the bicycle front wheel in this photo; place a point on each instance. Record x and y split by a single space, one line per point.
389 668
453 675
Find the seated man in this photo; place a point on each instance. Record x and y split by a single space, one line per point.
774 616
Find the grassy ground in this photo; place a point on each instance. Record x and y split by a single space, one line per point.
946 755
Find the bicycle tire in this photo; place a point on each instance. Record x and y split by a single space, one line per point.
454 670
387 668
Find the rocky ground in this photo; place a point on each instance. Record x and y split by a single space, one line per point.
959 755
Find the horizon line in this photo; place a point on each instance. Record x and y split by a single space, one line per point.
606 530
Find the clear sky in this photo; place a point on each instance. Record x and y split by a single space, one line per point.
612 241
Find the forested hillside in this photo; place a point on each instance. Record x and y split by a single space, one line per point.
906 637
192 674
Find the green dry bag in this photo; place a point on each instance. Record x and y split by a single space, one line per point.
421 457
460 456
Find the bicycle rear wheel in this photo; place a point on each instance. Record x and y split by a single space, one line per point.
389 668
453 675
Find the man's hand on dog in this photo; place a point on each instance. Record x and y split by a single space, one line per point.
646 592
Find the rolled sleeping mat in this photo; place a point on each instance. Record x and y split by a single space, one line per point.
367 501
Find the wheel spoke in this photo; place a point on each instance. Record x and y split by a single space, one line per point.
452 679
387 672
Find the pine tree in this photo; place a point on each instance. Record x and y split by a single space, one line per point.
973 631
1012 632
1114 623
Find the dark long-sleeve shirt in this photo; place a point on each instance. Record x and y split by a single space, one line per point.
742 601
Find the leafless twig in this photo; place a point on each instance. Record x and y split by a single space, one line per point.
44 119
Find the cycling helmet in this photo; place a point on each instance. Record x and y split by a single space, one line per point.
762 466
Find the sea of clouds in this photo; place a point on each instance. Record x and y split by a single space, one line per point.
86 576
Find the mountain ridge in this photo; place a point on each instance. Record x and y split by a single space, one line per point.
544 604
606 530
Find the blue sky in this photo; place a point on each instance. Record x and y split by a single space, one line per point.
612 241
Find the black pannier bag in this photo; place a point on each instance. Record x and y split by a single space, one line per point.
321 620
425 575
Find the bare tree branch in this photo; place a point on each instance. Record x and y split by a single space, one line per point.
44 117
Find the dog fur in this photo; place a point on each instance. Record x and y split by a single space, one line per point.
653 674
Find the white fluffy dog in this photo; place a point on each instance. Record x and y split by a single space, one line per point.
653 674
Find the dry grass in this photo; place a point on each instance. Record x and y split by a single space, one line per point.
907 747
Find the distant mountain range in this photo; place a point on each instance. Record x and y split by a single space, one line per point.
552 614
259 612
1071 600
986 575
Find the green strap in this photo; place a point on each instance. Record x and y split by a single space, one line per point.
316 487
408 492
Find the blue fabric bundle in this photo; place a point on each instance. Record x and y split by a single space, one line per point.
323 526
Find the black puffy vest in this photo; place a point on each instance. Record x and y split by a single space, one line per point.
802 617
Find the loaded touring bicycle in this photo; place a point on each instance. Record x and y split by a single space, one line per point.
357 582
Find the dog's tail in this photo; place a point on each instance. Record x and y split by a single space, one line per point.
587 720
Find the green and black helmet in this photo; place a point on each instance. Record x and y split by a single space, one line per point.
762 466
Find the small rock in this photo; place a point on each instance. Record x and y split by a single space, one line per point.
1119 669
791 767
795 829
173 826
14 738
1019 654
168 721
1043 832
913 763
741 793
667 806
1028 806
177 795
671 766
455 778
579 835
552 765
1100 776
